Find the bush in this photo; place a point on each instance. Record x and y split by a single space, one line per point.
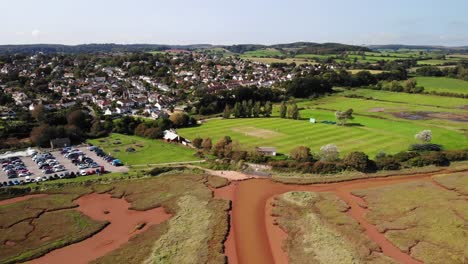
158 170
301 154
431 158
358 161
425 147
456 155
404 156
325 167
387 163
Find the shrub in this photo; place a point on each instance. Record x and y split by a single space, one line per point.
324 167
239 155
358 161
425 147
456 155
329 152
158 170
301 154
404 156
430 158
256 157
387 163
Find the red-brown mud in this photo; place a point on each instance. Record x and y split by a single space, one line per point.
123 225
20 199
229 193
257 240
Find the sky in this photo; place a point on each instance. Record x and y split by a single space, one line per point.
360 22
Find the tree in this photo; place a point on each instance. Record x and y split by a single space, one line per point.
207 144
78 118
301 154
268 109
329 152
237 110
358 161
38 113
227 112
179 119
197 142
223 148
425 136
283 110
41 135
293 112
343 117
257 108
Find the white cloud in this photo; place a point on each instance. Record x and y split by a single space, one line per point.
36 33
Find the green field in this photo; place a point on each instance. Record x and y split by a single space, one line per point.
275 60
269 52
374 128
147 151
442 84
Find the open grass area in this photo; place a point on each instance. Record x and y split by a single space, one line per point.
378 125
268 52
276 60
413 99
421 218
320 231
147 151
443 84
359 70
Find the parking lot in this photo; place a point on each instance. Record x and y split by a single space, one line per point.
58 159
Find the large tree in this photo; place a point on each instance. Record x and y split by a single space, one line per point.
343 117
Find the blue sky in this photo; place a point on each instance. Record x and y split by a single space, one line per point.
233 22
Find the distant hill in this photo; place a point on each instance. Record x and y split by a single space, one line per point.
330 48
94 48
286 48
418 47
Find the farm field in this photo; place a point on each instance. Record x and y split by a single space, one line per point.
147 151
276 60
378 125
414 99
435 62
443 84
371 71
269 52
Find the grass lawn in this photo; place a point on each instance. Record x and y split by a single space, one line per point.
147 151
414 99
375 127
443 84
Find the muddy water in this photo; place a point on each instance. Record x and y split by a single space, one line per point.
257 240
123 223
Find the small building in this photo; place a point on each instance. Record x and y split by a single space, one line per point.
60 143
172 136
267 151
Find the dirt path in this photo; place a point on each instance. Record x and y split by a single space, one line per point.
257 240
20 199
123 225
